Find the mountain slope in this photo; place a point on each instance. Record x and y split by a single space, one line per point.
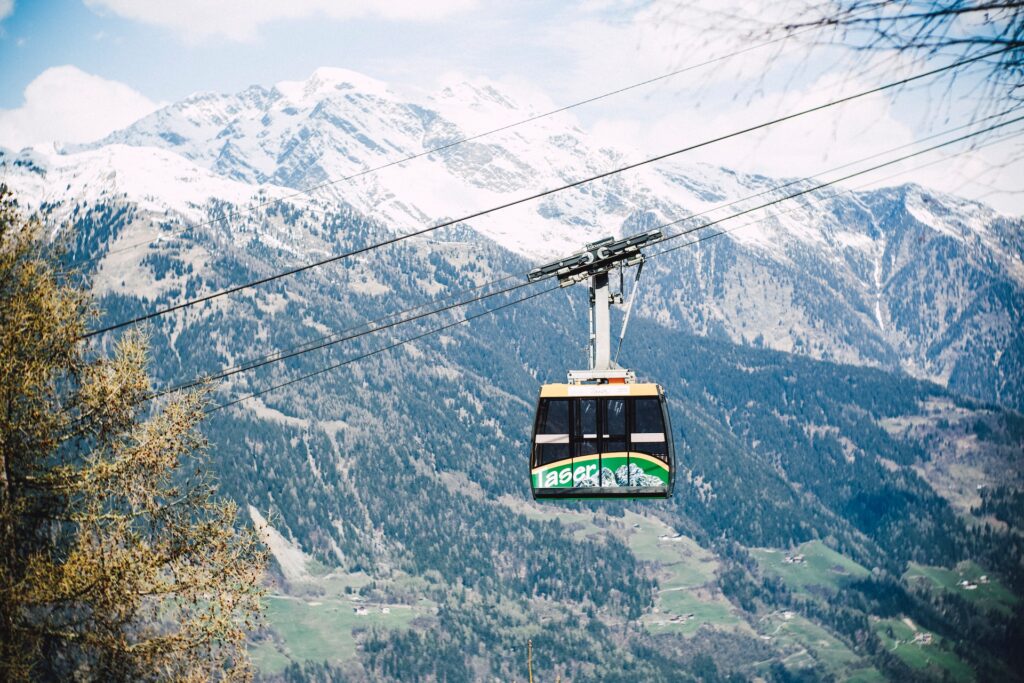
899 278
401 479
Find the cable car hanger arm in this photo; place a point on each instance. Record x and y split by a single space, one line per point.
596 258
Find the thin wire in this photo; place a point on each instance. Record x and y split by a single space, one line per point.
655 255
918 167
972 122
333 339
331 342
470 138
383 349
821 186
696 215
522 200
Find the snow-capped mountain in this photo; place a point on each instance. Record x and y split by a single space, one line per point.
404 477
899 278
320 132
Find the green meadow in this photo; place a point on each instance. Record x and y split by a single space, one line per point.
988 594
821 569
933 657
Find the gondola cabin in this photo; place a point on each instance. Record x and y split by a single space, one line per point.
602 434
609 440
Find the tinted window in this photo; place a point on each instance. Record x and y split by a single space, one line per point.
554 416
648 434
552 452
647 416
585 434
587 417
614 425
552 441
615 420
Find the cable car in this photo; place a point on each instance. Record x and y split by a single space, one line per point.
602 441
602 434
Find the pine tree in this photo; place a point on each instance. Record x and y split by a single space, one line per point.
117 559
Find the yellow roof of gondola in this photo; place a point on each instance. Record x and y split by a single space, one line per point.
599 390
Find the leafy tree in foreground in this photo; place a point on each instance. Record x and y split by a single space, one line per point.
116 560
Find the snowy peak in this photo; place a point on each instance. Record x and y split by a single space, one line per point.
344 131
155 180
328 81
337 124
483 104
895 277
344 127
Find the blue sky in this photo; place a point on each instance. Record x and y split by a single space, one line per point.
73 70
165 63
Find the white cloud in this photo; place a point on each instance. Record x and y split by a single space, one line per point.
6 9
65 104
624 41
617 42
989 173
240 19
801 147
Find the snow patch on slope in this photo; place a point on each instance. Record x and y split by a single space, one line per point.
155 179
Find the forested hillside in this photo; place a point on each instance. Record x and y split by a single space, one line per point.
400 480
843 377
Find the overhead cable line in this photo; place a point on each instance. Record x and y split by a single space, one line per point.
383 349
274 358
820 186
351 332
656 254
339 335
538 195
918 167
476 136
972 122
354 332
343 336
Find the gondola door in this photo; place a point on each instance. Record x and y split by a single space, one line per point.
613 435
586 439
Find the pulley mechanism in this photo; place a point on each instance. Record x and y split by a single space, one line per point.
597 257
593 264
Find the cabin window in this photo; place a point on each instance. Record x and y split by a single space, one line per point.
585 433
554 416
648 434
552 441
648 419
615 425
